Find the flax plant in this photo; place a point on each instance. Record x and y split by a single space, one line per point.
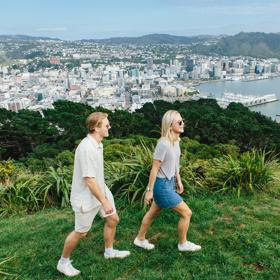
56 187
252 171
128 177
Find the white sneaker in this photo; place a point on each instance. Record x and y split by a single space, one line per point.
67 269
188 246
145 244
116 254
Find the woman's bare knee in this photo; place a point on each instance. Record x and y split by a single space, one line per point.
154 210
186 213
152 214
189 212
183 210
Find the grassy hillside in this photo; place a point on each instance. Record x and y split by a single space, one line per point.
239 238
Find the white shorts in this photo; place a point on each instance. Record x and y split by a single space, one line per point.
83 220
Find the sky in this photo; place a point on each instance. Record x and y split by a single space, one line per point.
96 19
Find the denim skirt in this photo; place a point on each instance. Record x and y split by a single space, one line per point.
164 192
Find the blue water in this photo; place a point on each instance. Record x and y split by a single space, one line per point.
257 88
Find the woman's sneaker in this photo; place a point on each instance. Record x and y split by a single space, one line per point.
145 244
188 246
67 268
116 254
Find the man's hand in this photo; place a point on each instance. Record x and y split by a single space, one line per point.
180 187
148 197
107 206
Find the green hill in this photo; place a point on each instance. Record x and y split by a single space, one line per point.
255 44
155 39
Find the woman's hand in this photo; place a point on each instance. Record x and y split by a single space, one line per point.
149 197
180 187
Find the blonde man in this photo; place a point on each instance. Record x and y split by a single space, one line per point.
161 192
90 195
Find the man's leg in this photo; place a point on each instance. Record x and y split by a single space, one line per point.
83 222
71 242
109 238
110 230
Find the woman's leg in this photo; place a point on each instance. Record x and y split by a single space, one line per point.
147 220
183 225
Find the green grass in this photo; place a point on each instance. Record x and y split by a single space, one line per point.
239 238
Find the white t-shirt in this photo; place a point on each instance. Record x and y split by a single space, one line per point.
88 163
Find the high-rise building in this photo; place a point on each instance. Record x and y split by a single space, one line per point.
190 65
150 63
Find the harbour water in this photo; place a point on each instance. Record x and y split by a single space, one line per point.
256 88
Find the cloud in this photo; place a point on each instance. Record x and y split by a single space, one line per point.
51 29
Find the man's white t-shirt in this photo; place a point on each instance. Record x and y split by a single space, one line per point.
88 163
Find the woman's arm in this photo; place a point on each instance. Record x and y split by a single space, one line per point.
153 174
180 187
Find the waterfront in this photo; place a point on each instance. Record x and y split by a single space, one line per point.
257 88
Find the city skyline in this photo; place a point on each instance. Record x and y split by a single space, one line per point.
71 20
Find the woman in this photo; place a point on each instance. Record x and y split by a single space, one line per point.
161 191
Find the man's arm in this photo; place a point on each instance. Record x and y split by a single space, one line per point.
95 190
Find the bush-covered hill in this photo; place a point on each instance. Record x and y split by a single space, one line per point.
28 132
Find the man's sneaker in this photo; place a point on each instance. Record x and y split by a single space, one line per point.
67 269
145 244
188 246
116 254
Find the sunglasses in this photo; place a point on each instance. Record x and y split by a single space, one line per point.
181 122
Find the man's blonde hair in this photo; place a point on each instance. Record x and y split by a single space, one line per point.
167 120
94 120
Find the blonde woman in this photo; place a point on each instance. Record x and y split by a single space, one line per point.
161 191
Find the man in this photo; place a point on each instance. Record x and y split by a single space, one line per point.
90 195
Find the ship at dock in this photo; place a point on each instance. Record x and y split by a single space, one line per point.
246 100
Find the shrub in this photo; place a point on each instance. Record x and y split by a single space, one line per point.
6 170
254 170
33 191
20 195
193 174
128 177
56 186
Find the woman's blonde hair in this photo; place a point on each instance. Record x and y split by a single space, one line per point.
94 120
166 123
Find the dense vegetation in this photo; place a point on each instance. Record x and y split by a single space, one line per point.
33 184
27 133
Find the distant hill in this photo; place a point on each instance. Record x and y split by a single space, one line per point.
255 44
24 38
155 39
